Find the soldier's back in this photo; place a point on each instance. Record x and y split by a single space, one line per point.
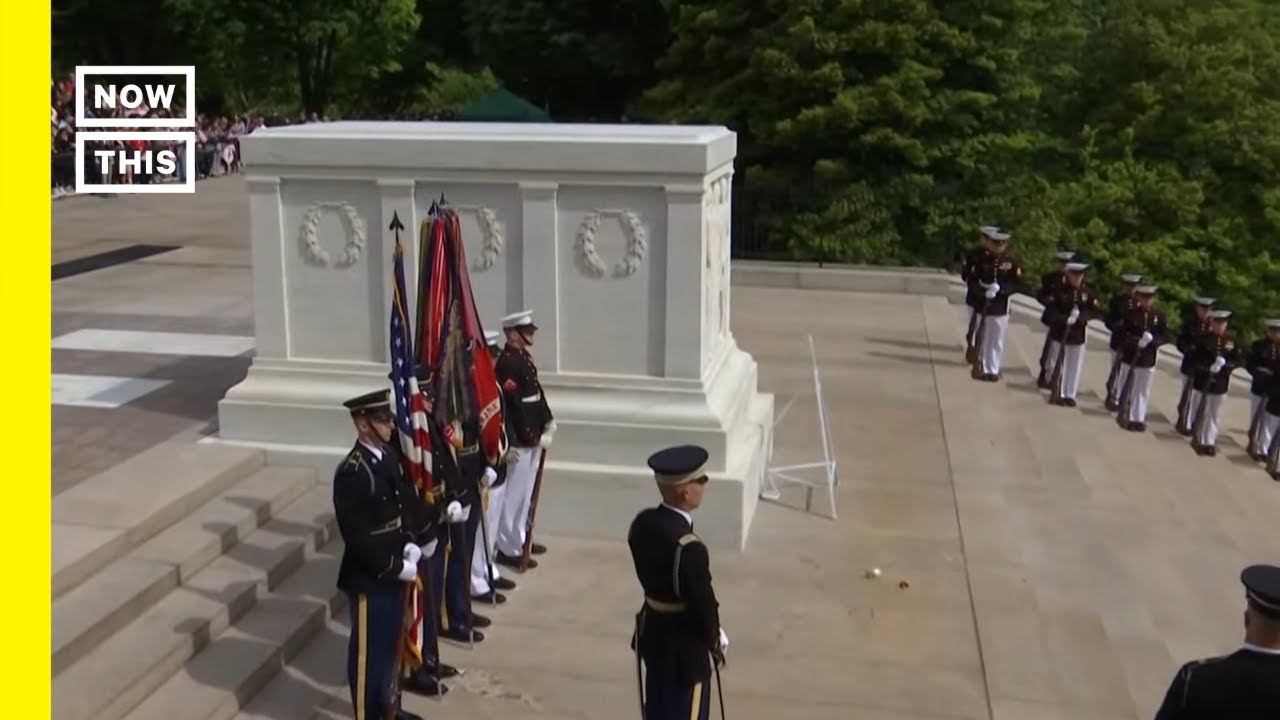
1244 685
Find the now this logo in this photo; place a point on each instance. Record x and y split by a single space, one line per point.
129 159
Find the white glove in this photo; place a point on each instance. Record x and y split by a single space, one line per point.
430 548
490 475
724 642
993 291
551 428
409 572
1217 365
1146 339
412 553
453 512
1074 317
545 441
510 456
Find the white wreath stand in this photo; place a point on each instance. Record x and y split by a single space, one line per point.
802 474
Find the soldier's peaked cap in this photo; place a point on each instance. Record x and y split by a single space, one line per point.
994 232
1273 324
1206 301
1131 279
1066 255
1262 588
1220 315
1077 266
492 338
1147 289
376 403
678 465
521 319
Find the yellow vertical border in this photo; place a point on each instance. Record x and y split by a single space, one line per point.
24 55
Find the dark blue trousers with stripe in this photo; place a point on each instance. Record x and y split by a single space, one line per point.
376 623
666 700
453 574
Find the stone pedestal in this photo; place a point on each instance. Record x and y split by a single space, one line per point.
617 237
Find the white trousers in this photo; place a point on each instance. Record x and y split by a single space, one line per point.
479 575
1073 363
1122 374
1266 426
993 333
1208 435
513 522
1267 431
1139 393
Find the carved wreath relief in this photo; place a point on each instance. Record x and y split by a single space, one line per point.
589 260
492 234
353 225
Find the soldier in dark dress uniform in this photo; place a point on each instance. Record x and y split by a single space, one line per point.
1070 309
678 634
451 567
1263 364
998 283
1193 324
1142 331
486 580
530 431
1050 283
980 263
1244 685
386 531
1213 356
1117 309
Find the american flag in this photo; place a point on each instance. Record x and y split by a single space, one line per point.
411 405
415 438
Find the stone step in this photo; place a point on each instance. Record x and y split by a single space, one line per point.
244 658
112 678
107 515
312 680
126 587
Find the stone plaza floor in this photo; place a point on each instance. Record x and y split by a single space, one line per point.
1037 562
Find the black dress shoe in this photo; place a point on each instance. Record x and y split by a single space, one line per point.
490 598
513 562
1200 449
1042 382
480 621
462 636
444 672
1211 451
403 714
1112 405
538 549
1139 427
504 584
1069 402
424 683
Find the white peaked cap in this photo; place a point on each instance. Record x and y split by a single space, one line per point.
518 319
1273 324
1077 266
492 337
1220 314
1066 255
1131 279
994 232
1147 289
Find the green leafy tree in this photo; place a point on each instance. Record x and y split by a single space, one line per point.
579 59
328 48
890 127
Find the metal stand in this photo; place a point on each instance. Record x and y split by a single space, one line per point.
801 474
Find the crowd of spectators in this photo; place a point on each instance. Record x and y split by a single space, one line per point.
217 144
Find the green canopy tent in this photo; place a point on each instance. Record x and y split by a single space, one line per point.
502 106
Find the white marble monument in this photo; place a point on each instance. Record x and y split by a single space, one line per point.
616 236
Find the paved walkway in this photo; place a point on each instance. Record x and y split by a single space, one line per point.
1057 567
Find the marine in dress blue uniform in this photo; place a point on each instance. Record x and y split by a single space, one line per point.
1193 324
678 634
1244 685
385 532
1050 283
